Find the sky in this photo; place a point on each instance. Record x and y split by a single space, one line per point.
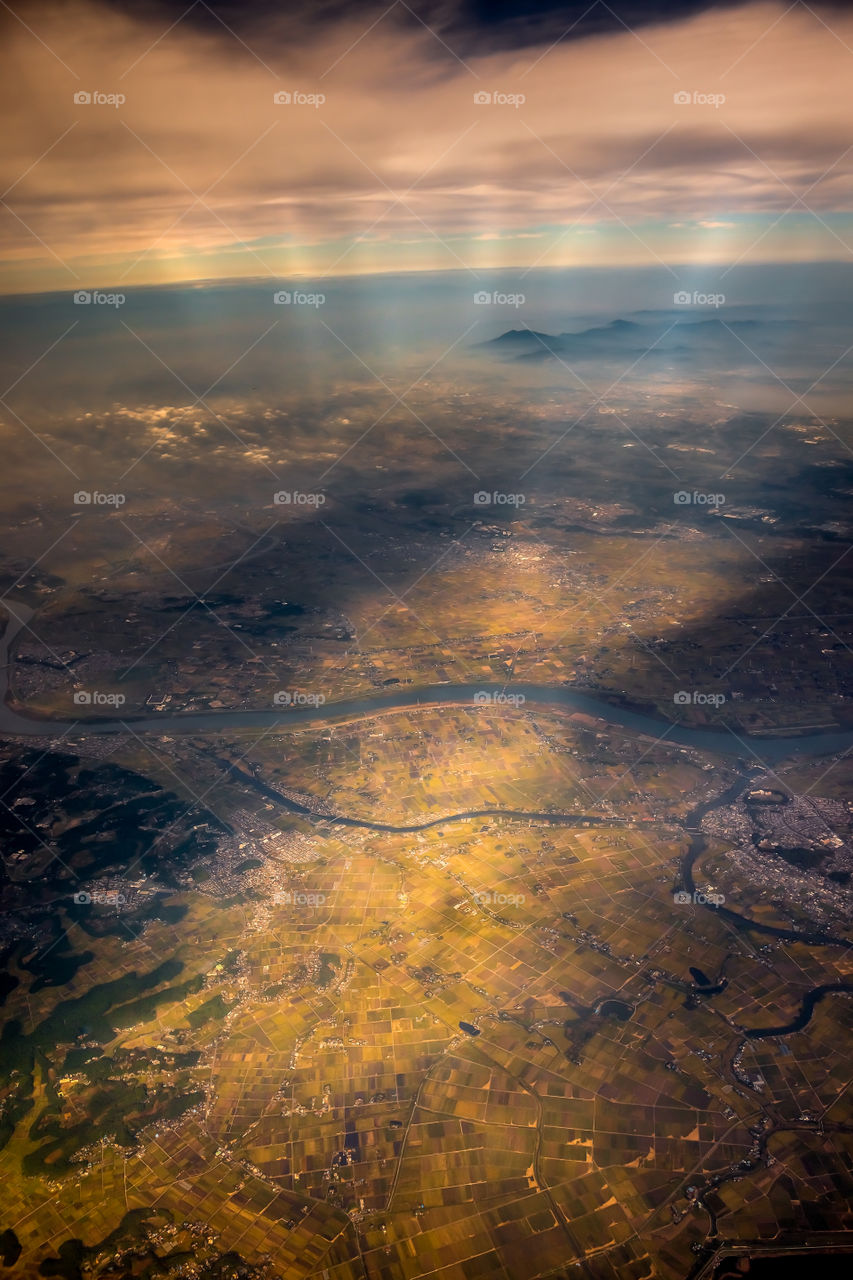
144 145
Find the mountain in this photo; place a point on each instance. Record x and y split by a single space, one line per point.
669 334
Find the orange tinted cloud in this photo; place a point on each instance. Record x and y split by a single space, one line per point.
686 141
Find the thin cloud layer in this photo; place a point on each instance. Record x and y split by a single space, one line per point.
722 136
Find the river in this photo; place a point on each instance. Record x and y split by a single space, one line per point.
18 722
718 741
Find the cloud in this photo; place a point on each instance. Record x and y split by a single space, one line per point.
199 173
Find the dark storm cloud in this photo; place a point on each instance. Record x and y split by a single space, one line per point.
468 28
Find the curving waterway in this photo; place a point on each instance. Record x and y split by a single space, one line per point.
803 1018
17 721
